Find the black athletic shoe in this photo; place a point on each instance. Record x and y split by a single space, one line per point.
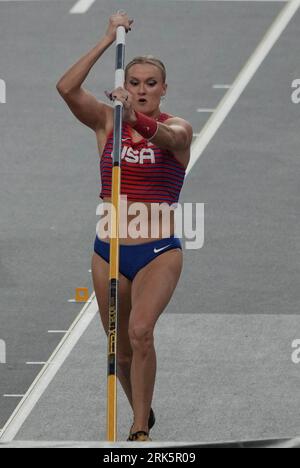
151 420
139 436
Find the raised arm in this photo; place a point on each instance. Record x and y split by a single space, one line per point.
175 134
83 104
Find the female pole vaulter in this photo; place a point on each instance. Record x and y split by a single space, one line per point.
155 155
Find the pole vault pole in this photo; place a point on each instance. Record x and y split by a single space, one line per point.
115 245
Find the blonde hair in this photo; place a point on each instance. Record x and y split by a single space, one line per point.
147 59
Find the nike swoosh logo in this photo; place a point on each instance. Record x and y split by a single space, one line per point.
163 248
124 139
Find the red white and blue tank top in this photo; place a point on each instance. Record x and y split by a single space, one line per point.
148 173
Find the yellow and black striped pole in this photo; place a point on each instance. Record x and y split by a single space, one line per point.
114 245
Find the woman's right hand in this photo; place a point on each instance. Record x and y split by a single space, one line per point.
118 19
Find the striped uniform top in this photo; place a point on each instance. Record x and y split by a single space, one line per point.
148 173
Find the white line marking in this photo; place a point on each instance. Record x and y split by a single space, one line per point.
221 86
208 111
2 92
49 371
82 6
57 331
78 302
2 352
242 80
35 363
267 443
13 396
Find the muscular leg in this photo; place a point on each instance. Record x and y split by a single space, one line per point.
100 274
152 289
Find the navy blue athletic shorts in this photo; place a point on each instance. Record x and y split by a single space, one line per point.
134 257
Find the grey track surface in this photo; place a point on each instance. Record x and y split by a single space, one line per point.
214 390
247 274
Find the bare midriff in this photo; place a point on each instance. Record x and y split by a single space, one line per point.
154 224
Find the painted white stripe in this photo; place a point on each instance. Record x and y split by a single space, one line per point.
274 443
35 363
57 331
242 80
82 6
221 86
2 92
13 396
78 302
208 111
49 371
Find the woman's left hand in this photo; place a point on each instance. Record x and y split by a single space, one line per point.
122 95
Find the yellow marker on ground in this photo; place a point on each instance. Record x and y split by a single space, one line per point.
81 294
